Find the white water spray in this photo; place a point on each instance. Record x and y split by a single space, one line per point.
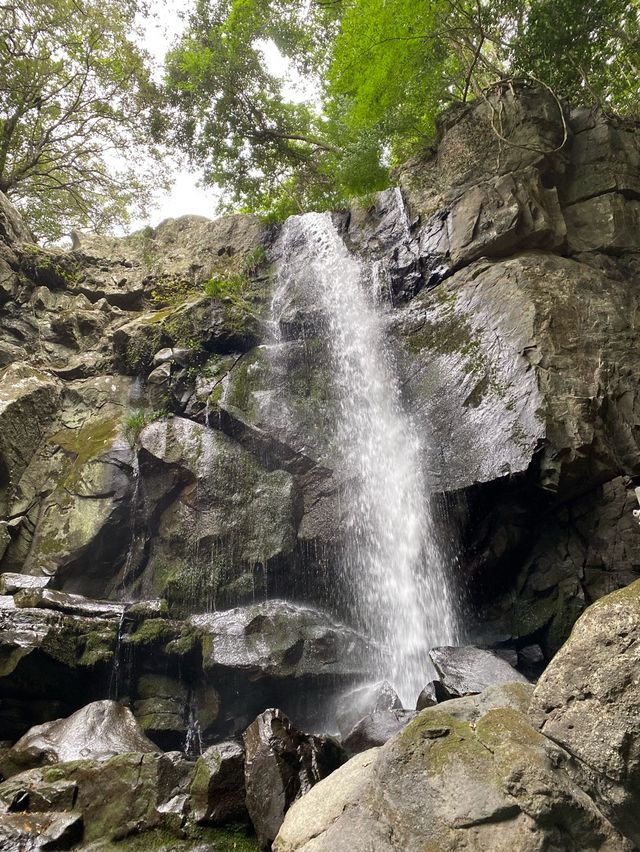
392 564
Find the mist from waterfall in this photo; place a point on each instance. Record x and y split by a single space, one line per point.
392 563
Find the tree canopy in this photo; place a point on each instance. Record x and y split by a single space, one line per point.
384 69
76 110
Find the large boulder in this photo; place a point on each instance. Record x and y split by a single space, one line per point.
111 799
448 784
376 728
281 764
96 732
492 373
358 703
587 702
217 788
465 669
280 639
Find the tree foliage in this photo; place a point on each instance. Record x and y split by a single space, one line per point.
76 102
384 69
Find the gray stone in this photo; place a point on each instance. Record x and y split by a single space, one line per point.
608 222
358 703
217 789
213 544
12 227
587 702
12 583
281 764
27 832
29 400
376 729
464 670
37 597
280 639
428 696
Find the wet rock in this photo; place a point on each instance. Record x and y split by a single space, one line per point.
280 639
39 831
183 357
281 764
452 784
37 597
429 695
71 507
80 641
587 702
217 789
12 583
376 729
97 731
220 520
28 792
360 702
466 669
531 661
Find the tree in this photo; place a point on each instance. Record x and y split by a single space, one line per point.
385 69
76 111
232 115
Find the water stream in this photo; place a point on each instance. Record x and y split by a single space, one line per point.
392 563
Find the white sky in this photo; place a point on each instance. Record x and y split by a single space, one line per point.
161 28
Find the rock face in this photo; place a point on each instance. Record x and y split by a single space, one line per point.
170 483
587 702
444 783
281 764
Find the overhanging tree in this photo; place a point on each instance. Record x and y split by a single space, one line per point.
76 113
384 69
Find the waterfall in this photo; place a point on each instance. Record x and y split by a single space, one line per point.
392 564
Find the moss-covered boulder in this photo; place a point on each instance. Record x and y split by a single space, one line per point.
446 784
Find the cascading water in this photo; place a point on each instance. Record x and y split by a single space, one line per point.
392 564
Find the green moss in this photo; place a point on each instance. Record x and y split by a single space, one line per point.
89 440
153 631
137 420
627 595
171 290
254 260
72 644
185 644
231 838
448 740
49 267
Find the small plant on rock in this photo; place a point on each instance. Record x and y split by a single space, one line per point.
137 420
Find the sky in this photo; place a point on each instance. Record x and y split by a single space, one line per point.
161 28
